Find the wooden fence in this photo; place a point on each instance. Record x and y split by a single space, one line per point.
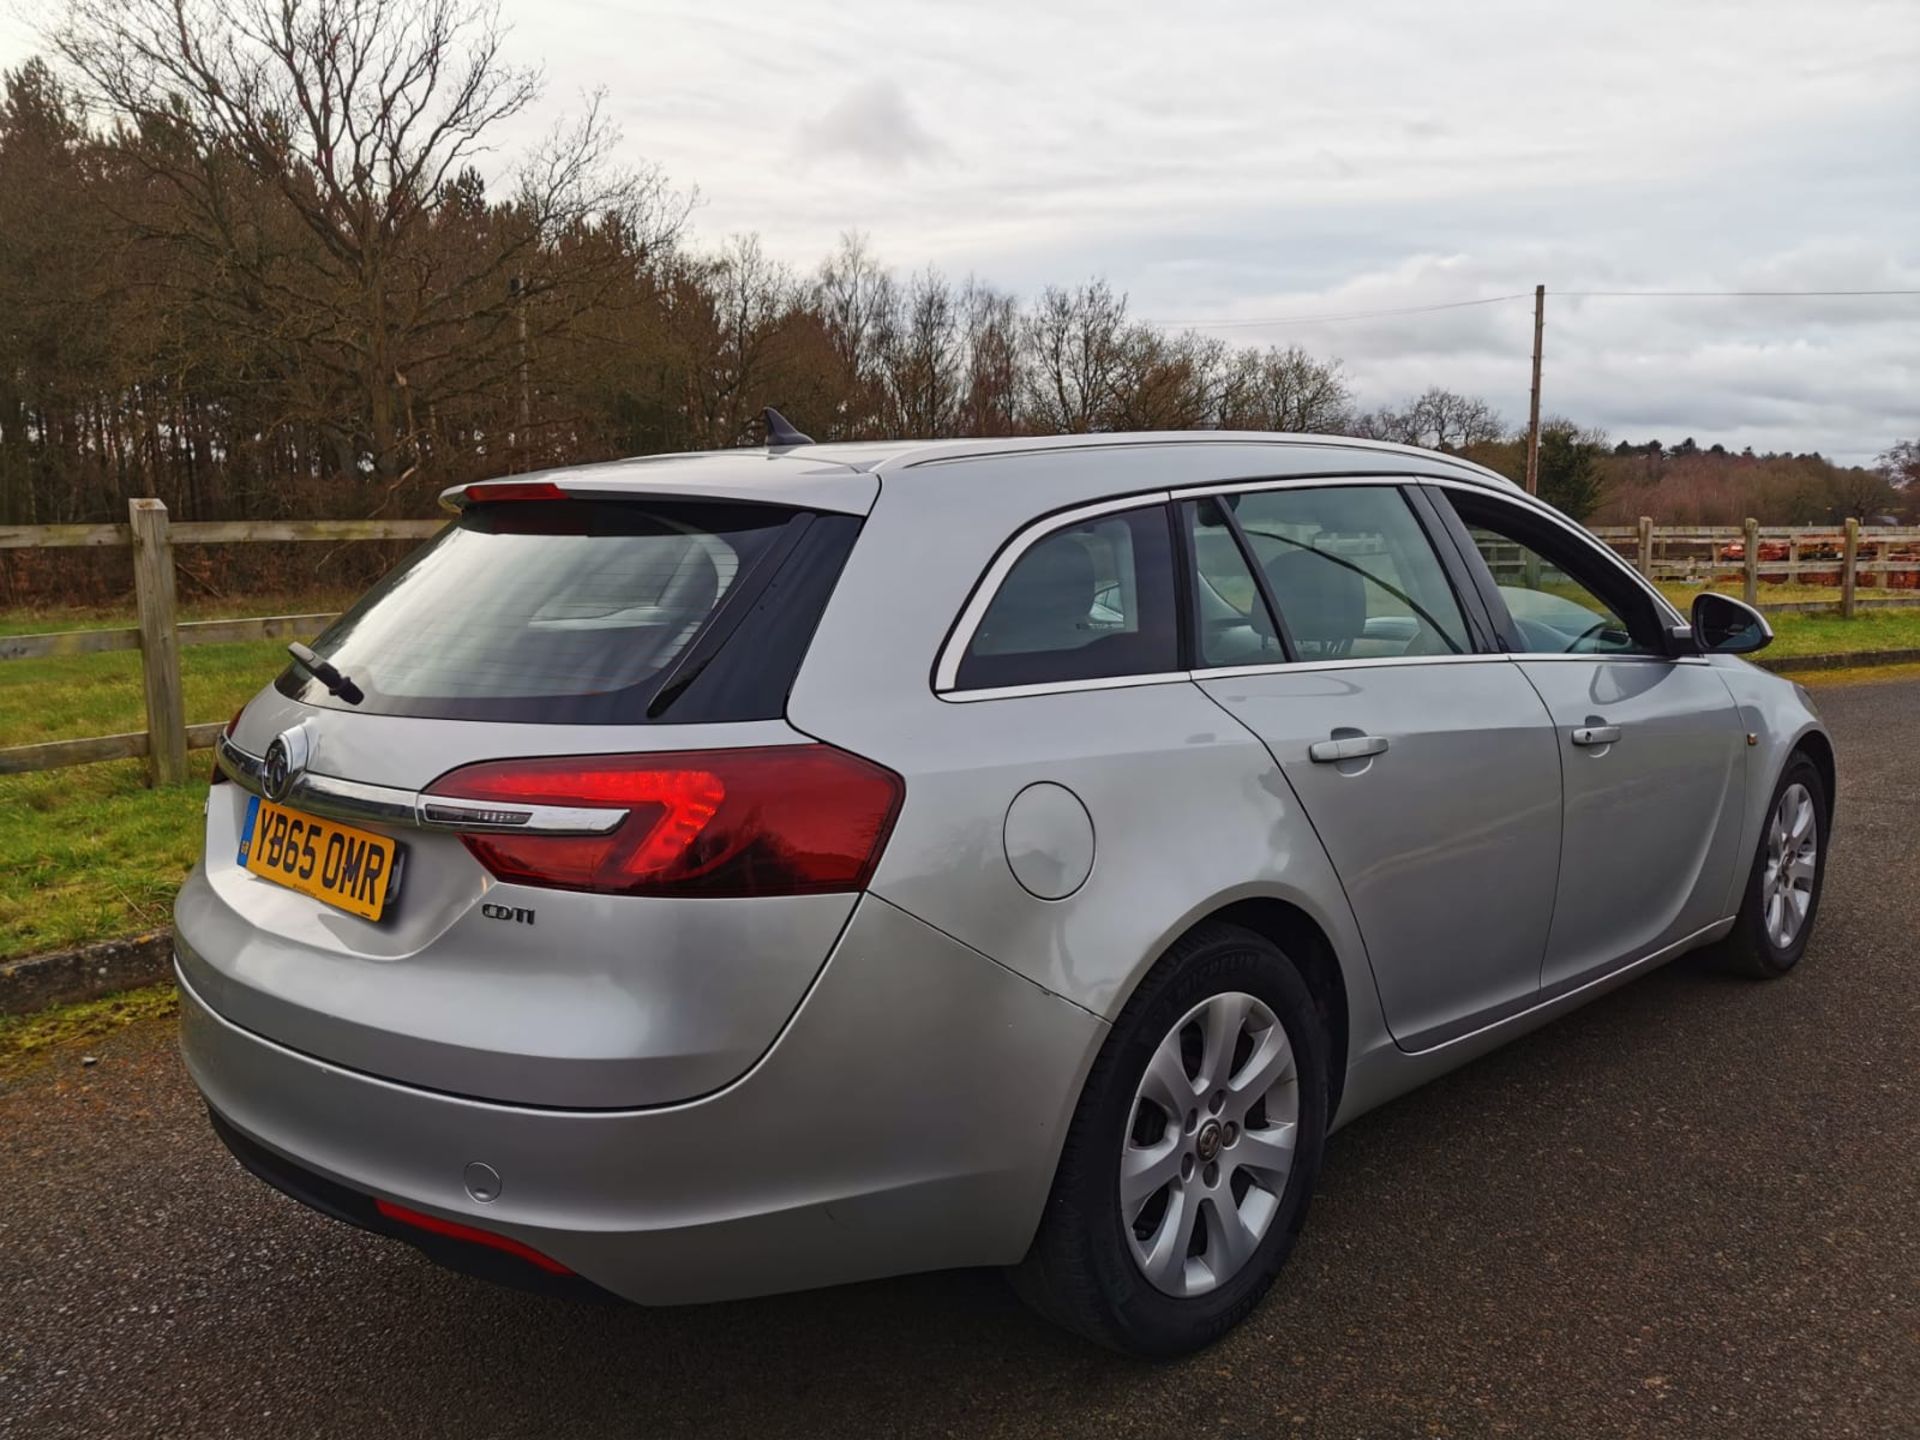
158 636
1830 556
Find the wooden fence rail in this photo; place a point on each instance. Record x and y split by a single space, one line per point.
1757 555
1730 550
218 532
159 634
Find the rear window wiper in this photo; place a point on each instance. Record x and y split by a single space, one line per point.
316 665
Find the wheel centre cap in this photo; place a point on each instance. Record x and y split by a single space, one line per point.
1207 1143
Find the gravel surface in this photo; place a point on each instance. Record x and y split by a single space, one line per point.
1692 1208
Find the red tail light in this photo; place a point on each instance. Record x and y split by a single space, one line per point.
779 820
219 776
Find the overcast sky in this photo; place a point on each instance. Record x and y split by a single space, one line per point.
1238 162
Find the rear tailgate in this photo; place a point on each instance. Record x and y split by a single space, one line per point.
547 969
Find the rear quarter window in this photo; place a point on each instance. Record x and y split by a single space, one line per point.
1094 599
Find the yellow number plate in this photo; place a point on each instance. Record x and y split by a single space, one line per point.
336 863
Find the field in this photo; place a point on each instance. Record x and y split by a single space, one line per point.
90 852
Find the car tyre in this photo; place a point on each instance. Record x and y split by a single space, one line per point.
1774 925
1086 1269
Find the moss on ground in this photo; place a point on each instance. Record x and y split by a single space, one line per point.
27 1041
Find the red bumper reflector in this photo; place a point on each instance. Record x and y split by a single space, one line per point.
453 1230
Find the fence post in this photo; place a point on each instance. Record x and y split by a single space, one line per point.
159 643
1646 546
1849 554
1751 552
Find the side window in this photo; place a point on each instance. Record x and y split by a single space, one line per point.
1353 573
1091 601
1563 600
1233 624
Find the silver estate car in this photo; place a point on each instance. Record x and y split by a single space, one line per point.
711 875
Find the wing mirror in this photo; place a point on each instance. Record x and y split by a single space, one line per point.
1723 625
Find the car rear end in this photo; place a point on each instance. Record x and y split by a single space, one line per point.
505 927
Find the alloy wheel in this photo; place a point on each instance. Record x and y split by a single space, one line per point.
1209 1145
1786 884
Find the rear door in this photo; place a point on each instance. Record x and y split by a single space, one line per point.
1330 627
1652 748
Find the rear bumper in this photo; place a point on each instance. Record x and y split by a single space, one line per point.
908 1118
340 1203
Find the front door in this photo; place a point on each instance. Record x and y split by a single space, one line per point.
1651 747
1430 772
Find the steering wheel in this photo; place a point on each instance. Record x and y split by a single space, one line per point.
1608 627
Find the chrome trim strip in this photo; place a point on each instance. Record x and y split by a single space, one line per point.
1297 667
1373 662
240 767
357 801
1063 687
1622 658
351 799
947 669
1305 482
438 813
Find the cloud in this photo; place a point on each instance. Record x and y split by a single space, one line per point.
873 124
1243 159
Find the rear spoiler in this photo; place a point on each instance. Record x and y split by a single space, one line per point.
791 479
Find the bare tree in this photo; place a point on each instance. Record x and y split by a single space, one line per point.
1385 423
1286 390
1446 420
1074 343
734 318
991 402
1437 419
857 301
1165 382
304 146
923 358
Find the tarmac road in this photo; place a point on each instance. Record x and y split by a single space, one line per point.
1692 1208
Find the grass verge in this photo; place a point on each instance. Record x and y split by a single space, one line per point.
1830 635
90 852
1855 675
28 1040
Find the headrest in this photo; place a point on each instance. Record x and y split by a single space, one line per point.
1320 598
1046 601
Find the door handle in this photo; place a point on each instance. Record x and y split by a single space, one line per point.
1595 734
1354 747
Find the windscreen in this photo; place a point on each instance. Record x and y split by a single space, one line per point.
564 611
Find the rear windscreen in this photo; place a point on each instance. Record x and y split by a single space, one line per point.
564 612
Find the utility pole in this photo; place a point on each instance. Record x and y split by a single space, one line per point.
517 288
1533 405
